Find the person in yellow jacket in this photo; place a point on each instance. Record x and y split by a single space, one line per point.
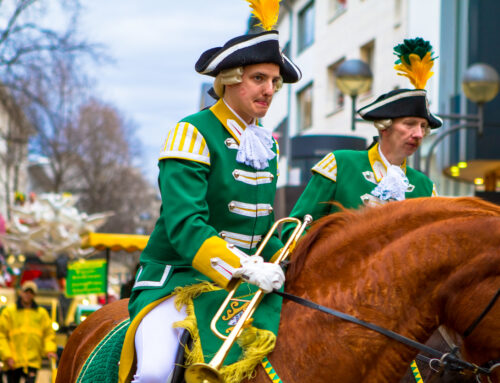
26 336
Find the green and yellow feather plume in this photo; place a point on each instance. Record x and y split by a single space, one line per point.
415 61
266 11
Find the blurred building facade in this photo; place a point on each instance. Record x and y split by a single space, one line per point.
469 34
312 118
14 134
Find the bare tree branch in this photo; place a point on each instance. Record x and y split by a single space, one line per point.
89 143
13 19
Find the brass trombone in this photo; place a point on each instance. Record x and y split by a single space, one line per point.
209 372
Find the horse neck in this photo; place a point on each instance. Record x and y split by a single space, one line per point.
406 267
399 266
362 232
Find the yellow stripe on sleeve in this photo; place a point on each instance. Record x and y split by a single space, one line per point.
327 167
183 142
184 133
329 162
202 146
166 142
193 141
174 137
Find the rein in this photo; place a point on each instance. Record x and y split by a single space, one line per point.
447 360
482 315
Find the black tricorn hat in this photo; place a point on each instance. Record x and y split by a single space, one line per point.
401 103
247 50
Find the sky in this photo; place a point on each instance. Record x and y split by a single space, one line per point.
155 45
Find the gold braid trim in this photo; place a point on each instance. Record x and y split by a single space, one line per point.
255 343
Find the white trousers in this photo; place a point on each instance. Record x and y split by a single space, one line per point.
156 343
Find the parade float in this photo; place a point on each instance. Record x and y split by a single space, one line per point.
44 241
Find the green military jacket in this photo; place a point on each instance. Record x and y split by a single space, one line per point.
213 207
348 177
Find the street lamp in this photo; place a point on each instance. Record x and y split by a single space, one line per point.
480 84
353 78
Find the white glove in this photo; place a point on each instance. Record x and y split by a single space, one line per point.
267 276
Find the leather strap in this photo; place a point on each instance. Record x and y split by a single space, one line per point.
482 315
446 358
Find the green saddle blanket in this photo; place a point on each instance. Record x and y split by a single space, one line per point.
102 364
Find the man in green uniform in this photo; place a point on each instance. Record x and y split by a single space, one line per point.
380 174
218 171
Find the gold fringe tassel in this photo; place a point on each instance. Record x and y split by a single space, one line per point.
255 343
184 297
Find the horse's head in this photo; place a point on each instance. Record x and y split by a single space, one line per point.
481 338
408 266
469 302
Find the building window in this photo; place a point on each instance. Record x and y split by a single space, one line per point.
286 49
305 103
306 26
367 54
335 97
397 13
336 7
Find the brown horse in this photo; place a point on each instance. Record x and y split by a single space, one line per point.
407 266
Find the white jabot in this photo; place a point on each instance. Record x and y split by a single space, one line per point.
394 184
255 145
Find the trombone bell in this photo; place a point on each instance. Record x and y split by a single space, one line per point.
202 373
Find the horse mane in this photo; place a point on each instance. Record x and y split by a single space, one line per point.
353 232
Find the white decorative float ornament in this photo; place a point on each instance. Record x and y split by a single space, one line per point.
49 225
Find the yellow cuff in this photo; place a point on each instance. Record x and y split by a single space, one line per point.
218 259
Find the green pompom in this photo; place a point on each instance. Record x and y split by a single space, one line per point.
417 45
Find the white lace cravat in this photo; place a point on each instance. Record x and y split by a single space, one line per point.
394 184
255 147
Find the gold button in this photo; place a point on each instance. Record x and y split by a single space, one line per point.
222 235
236 173
270 209
272 177
231 206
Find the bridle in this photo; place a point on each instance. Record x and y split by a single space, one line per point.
482 315
449 360
495 363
